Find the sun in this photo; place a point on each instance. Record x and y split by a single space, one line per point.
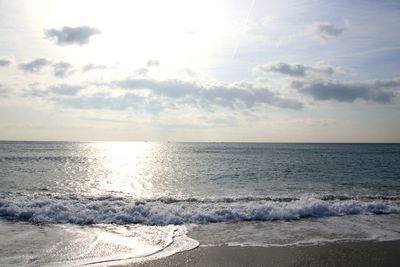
180 34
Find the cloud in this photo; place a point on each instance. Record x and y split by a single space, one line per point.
62 69
90 67
170 88
142 71
34 90
105 101
153 63
5 62
71 36
4 90
65 89
35 65
188 72
297 70
55 92
380 91
154 96
232 96
324 31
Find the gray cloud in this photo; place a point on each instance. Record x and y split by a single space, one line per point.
5 62
164 94
4 90
220 95
65 89
105 101
34 90
142 71
297 70
383 91
169 88
62 69
231 96
326 31
35 65
71 35
57 92
153 63
188 72
90 67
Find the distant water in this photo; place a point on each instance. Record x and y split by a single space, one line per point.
98 203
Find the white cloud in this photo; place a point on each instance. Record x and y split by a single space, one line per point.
91 66
153 63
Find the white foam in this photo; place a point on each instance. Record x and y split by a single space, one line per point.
98 245
311 231
107 210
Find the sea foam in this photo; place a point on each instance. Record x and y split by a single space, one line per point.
165 211
94 245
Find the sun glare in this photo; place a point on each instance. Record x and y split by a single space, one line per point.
178 33
125 164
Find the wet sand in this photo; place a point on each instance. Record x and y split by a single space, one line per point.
364 253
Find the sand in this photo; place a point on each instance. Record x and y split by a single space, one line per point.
364 253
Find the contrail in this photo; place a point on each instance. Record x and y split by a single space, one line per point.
244 24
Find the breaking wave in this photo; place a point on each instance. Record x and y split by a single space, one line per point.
47 209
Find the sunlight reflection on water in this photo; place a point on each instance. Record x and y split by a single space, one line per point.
136 169
130 168
126 166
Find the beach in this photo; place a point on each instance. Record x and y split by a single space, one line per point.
363 253
199 204
199 133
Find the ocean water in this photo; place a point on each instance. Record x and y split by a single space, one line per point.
65 203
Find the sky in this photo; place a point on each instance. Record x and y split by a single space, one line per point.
229 71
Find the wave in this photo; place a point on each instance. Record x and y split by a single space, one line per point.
274 199
48 209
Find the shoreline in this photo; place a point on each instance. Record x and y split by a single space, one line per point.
349 253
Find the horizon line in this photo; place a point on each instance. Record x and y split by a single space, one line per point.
170 141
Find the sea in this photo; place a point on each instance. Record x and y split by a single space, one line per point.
107 203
